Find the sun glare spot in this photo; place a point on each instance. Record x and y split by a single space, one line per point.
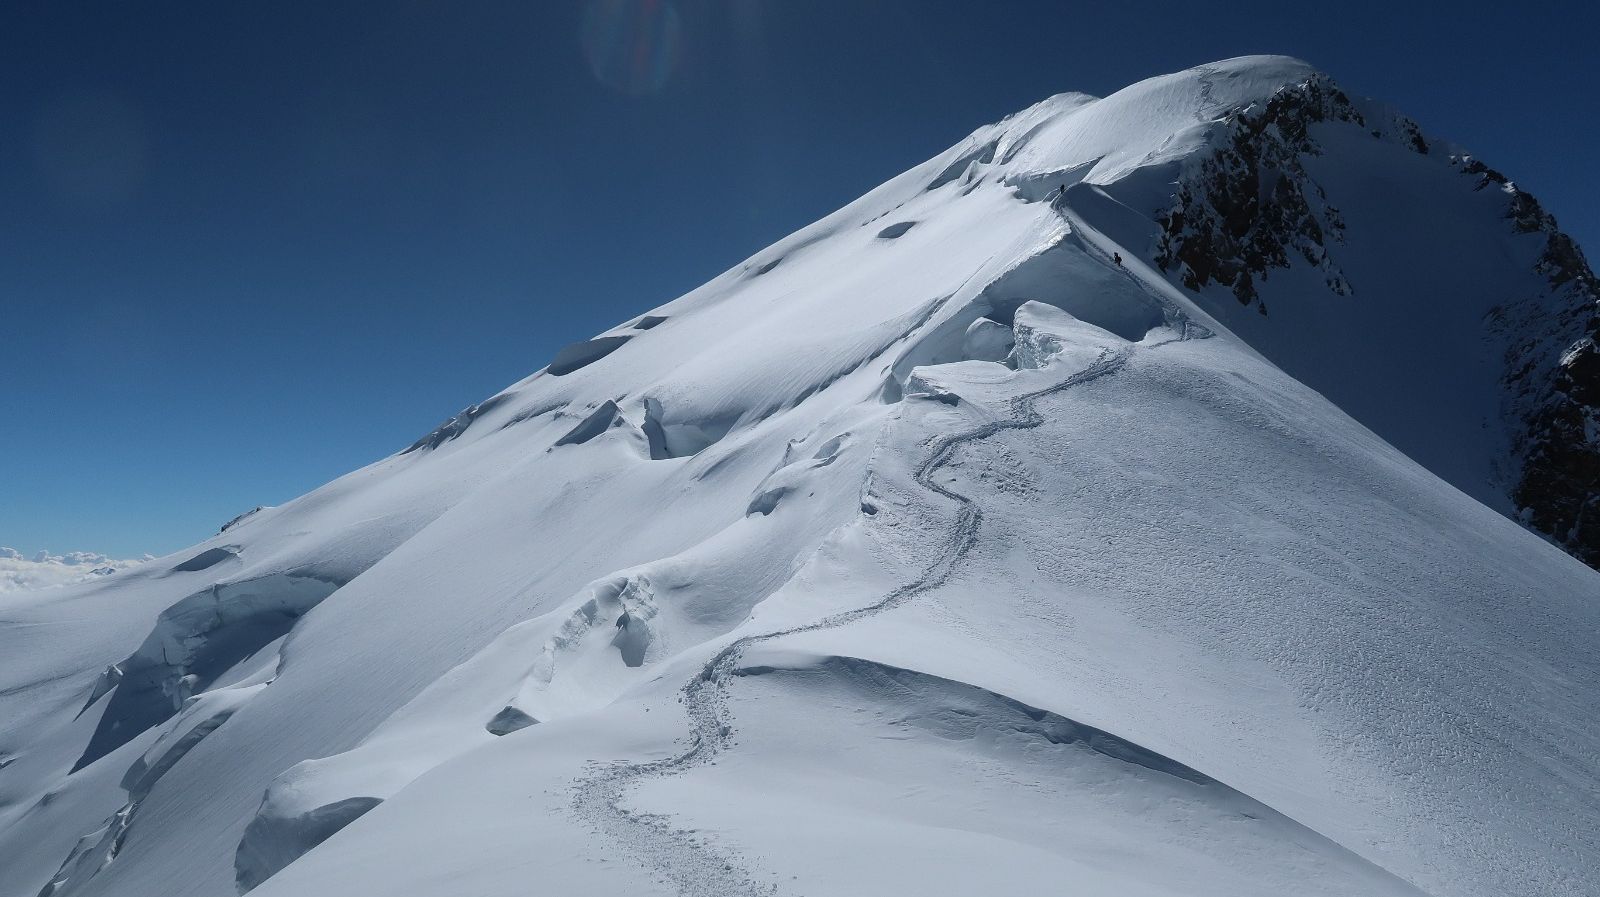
632 45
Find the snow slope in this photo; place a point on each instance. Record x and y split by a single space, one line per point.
930 550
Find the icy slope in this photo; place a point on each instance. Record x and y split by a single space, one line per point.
929 550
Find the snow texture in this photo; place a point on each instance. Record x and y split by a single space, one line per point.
1132 499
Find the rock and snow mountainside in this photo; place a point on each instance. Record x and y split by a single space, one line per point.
1311 175
931 550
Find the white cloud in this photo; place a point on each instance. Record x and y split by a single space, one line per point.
44 570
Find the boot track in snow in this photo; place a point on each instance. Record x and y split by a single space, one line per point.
694 867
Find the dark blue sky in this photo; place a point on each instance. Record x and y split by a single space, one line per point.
247 247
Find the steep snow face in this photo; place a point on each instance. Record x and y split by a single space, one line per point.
967 540
1454 317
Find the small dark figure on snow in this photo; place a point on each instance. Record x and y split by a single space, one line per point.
1117 257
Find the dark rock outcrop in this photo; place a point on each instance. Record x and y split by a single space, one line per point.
1552 378
1252 204
1252 207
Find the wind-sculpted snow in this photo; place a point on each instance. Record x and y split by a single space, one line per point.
963 164
966 541
987 340
693 867
1061 276
194 642
576 657
896 231
273 840
451 428
508 720
95 850
308 803
958 710
600 420
208 558
581 355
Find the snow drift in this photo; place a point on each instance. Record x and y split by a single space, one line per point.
1163 493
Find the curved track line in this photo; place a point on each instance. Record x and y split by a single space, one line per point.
1208 81
694 867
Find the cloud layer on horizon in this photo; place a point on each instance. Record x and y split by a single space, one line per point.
44 570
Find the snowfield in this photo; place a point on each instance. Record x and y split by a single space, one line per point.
954 544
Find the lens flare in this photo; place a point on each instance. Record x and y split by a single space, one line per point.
632 45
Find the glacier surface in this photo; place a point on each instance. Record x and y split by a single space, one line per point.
953 544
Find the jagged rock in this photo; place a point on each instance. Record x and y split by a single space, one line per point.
1251 207
1244 209
1552 378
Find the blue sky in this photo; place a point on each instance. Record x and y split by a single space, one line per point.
245 248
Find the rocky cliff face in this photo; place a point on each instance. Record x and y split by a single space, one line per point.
1552 377
1251 208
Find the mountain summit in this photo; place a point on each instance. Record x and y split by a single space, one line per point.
1180 492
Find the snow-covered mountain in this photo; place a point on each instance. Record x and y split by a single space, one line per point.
1119 502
